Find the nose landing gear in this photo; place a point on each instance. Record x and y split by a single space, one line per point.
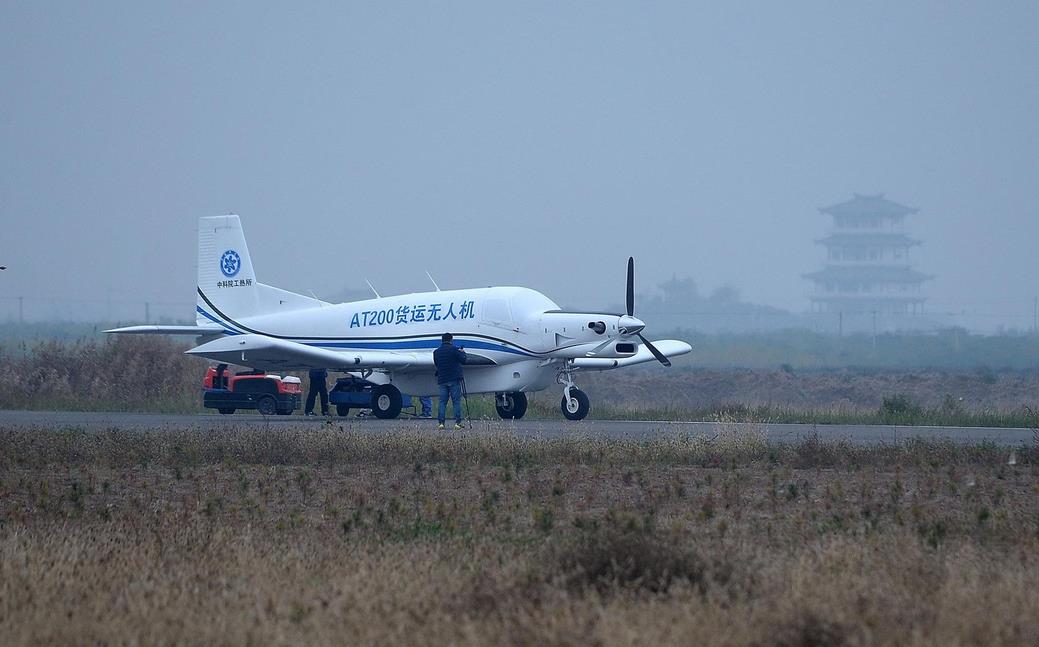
574 404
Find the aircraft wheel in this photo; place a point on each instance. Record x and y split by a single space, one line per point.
226 410
386 401
267 406
514 408
576 408
342 410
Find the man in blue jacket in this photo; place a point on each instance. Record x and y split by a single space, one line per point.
449 359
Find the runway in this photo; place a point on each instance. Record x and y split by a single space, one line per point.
630 430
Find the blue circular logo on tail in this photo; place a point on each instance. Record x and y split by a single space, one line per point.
230 263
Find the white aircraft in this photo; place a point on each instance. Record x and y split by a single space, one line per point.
517 340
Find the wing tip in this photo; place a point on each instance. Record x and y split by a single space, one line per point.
166 330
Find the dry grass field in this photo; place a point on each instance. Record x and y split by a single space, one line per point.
320 536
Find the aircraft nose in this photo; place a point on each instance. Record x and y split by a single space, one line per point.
629 325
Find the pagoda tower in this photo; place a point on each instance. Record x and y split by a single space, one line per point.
868 268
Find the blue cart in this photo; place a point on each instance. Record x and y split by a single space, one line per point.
352 392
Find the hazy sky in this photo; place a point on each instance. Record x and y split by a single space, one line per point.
514 143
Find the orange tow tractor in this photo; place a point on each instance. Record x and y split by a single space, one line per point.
268 394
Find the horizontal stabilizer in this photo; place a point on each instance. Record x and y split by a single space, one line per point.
669 347
169 330
262 352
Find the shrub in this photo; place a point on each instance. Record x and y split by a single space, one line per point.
899 408
986 375
811 630
614 555
120 373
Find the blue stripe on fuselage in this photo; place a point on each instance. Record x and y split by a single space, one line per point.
418 344
411 344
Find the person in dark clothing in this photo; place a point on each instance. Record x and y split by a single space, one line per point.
427 406
220 379
317 387
449 359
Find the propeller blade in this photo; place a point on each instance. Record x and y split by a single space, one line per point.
662 358
629 296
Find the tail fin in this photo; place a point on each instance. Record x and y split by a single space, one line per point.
227 287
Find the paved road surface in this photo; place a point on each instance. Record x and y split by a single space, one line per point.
618 429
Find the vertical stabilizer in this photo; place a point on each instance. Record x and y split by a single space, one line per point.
227 285
225 270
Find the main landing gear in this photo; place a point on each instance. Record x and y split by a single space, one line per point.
575 402
386 401
510 406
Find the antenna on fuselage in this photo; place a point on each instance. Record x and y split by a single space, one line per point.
432 281
374 291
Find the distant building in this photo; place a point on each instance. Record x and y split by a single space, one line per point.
868 267
680 306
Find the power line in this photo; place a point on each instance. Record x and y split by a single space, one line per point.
39 299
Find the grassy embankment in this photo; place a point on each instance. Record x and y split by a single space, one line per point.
894 411
322 536
950 349
152 374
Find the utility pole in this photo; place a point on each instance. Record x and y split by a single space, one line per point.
147 313
874 332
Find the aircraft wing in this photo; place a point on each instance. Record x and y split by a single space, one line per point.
669 347
267 353
169 330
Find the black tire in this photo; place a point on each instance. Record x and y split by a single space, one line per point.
515 406
386 401
226 410
342 410
579 405
267 406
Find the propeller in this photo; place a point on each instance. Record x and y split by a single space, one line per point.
629 302
629 294
662 358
